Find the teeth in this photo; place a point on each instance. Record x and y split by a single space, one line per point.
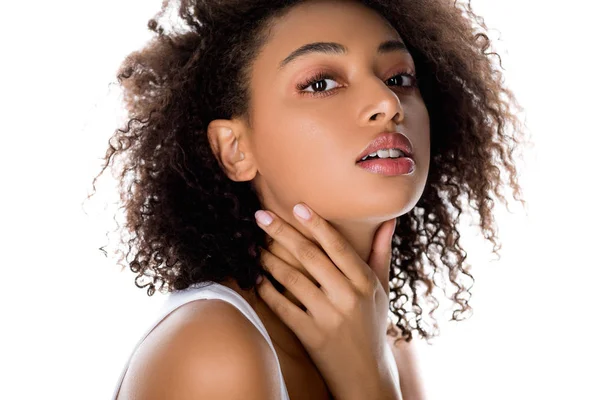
383 153
386 153
396 153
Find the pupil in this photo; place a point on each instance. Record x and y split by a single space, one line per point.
319 83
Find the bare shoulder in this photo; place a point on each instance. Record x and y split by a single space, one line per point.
206 349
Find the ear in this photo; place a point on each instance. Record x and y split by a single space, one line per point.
228 142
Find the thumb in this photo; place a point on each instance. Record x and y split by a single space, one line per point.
381 253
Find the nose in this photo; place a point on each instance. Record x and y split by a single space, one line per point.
383 105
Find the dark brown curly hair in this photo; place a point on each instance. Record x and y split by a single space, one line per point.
189 223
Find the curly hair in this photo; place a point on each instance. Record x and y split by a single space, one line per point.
189 223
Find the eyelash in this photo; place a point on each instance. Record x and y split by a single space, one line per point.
320 76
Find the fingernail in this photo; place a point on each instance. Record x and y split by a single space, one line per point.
259 279
301 211
263 218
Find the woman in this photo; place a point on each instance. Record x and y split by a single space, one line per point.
381 117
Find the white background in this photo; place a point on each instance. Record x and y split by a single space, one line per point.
69 317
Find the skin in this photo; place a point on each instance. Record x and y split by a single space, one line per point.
344 325
303 147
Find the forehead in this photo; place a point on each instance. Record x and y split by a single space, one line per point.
332 14
347 22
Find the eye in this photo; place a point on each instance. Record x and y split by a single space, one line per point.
412 79
316 82
319 84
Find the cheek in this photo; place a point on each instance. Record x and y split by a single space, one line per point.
289 152
288 138
300 157
418 124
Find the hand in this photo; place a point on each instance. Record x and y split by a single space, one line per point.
344 326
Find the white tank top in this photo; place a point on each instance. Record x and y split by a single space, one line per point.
211 290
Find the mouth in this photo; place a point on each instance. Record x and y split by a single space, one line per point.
387 145
384 154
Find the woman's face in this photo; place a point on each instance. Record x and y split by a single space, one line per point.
305 142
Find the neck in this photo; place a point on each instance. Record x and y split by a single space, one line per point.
359 235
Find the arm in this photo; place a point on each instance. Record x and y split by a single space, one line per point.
408 368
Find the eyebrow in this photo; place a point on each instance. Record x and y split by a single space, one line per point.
336 48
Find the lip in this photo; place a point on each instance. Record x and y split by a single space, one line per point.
388 140
389 166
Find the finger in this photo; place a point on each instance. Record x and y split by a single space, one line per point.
312 258
337 248
313 299
381 253
291 315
